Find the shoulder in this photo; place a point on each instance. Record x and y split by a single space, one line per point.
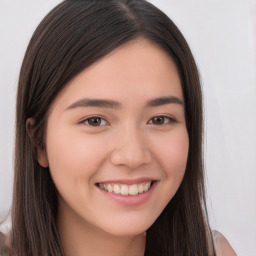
222 246
3 245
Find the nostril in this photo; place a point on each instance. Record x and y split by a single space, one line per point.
132 159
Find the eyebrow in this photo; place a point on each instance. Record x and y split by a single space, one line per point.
101 103
163 101
110 104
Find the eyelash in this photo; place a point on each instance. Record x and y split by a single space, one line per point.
85 121
167 119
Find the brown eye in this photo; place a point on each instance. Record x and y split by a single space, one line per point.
158 120
95 121
161 120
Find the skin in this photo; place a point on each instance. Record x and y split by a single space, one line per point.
127 145
223 248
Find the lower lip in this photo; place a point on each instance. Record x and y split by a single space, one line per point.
130 200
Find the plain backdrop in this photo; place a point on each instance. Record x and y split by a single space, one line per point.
222 36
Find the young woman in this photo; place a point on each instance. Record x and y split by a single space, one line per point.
108 156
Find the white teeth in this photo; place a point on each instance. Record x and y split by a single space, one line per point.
116 189
133 190
126 190
141 189
109 188
146 187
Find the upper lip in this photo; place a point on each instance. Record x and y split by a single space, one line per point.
127 181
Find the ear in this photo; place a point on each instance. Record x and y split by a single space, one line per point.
38 148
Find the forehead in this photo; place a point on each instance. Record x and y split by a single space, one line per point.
135 71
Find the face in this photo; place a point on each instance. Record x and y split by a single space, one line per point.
116 140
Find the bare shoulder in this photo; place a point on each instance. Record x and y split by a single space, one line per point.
3 244
222 246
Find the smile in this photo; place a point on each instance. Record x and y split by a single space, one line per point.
125 189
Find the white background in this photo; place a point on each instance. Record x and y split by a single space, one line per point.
222 36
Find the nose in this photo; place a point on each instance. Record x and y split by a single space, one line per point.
131 149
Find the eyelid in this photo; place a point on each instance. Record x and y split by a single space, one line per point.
84 120
169 118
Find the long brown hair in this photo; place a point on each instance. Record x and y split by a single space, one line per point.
70 38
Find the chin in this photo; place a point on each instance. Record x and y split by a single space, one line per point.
127 228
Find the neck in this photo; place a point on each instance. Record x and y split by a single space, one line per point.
79 238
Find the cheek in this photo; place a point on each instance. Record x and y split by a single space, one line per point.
173 151
171 154
73 157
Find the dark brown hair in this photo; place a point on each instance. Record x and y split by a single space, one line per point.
71 37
